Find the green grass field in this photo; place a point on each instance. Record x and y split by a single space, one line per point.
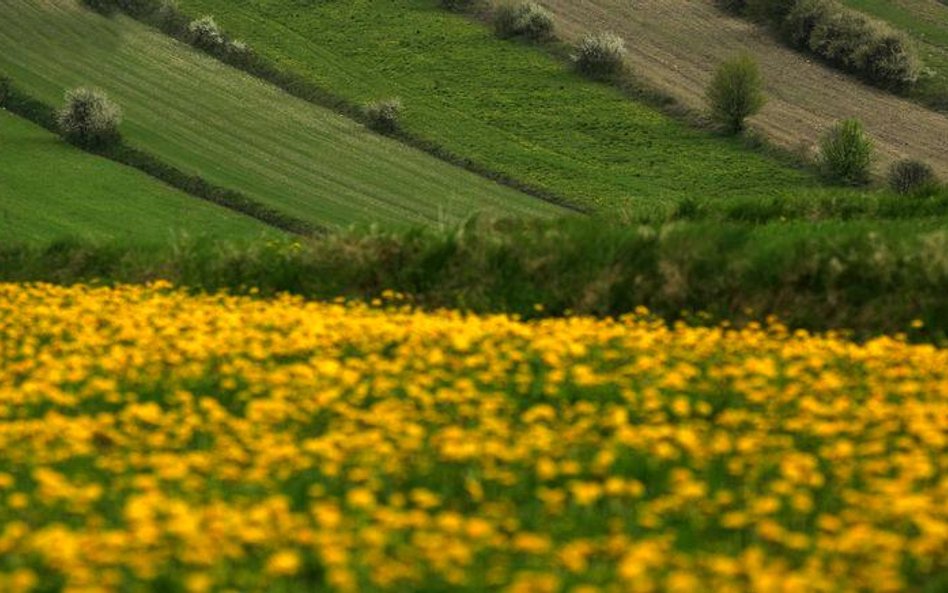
50 190
507 105
926 21
235 131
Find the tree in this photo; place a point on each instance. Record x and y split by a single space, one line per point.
89 119
735 93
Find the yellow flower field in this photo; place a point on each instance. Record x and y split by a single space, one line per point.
153 441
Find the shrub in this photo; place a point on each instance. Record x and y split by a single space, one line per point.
772 11
205 34
797 27
106 7
840 37
89 119
383 116
911 177
527 19
732 6
735 93
846 153
600 55
888 60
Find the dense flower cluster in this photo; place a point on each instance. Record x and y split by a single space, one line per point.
152 440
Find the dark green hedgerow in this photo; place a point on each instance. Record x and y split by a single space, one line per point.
861 276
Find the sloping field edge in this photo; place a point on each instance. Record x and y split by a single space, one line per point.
173 22
19 103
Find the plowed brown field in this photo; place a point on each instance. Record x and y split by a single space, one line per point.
675 45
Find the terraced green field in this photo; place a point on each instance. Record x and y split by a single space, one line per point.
50 190
507 105
926 21
237 132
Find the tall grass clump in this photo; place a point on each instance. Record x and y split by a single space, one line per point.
912 177
526 19
735 93
599 55
384 115
89 118
846 153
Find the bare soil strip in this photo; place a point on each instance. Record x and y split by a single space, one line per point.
674 47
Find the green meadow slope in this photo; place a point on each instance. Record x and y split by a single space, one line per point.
507 105
50 190
209 119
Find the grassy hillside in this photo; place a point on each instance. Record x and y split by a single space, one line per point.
50 190
510 106
676 46
926 21
236 131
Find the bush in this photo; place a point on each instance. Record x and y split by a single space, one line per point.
797 27
205 34
842 37
527 19
5 87
888 60
383 116
846 153
600 55
735 93
911 177
89 119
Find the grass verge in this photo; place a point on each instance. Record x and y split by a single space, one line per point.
868 277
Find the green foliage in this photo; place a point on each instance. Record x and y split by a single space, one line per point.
735 93
383 115
461 5
797 27
206 34
911 177
89 118
846 153
841 37
864 276
600 55
592 147
526 19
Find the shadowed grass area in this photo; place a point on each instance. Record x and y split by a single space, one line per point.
49 190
